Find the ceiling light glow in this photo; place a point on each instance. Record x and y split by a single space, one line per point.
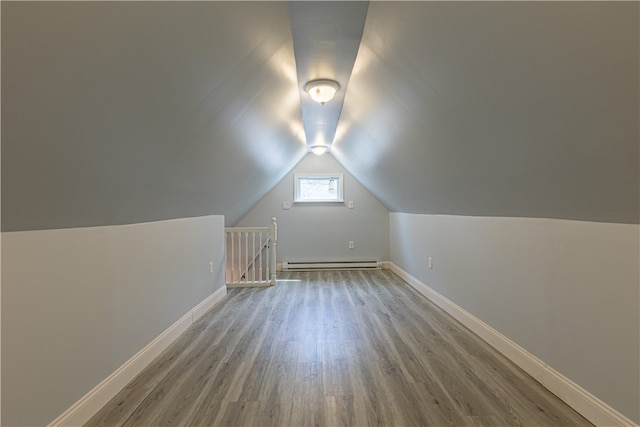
319 150
322 91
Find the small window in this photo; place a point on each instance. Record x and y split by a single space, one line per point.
318 188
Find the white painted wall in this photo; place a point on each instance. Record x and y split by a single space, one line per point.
78 303
310 231
566 291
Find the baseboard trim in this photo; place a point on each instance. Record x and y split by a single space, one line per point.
585 403
85 408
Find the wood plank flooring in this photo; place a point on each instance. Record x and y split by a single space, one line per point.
336 348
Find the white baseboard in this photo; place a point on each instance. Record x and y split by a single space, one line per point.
81 411
199 310
583 402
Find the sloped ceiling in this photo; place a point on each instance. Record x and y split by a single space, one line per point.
119 112
497 108
326 39
125 112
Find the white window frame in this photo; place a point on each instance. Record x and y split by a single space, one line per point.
338 177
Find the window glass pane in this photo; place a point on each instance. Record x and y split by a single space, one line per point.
318 188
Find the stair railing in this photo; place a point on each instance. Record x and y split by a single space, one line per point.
250 255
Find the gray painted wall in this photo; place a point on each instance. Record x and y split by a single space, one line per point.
566 291
129 112
78 303
125 112
120 112
524 109
322 231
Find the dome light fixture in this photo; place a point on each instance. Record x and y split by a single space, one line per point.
323 90
319 149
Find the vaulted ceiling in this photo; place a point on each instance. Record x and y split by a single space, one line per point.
119 112
497 108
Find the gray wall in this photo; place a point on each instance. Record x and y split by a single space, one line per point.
519 109
129 112
78 303
566 291
126 112
310 231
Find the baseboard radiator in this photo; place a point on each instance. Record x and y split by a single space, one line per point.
331 265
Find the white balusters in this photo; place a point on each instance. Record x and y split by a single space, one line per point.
253 264
233 237
244 258
260 279
274 240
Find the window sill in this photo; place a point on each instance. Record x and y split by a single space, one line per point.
319 201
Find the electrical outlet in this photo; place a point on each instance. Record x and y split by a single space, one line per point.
210 267
286 205
430 263
351 246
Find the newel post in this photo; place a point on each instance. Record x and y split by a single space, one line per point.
274 242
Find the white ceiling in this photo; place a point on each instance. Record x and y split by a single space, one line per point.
119 112
326 38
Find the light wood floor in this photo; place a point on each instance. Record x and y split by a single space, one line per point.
332 349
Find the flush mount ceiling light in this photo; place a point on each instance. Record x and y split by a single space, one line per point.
322 91
319 150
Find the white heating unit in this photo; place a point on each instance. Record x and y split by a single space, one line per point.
331 265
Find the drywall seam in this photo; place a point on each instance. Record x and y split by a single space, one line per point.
585 403
81 411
